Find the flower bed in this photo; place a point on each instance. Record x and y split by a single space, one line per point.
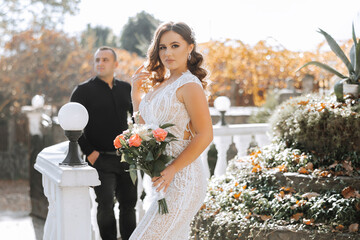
246 203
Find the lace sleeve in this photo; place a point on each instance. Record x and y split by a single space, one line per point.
188 78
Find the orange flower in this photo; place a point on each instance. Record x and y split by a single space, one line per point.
135 140
160 134
117 142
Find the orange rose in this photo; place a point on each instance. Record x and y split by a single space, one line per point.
160 134
135 140
117 142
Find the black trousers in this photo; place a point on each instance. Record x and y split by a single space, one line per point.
115 183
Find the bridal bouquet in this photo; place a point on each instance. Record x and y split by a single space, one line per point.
143 147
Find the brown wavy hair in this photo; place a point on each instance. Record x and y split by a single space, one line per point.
157 68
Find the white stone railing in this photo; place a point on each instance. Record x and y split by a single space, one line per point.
67 190
239 134
71 212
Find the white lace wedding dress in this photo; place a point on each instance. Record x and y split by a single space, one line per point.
186 193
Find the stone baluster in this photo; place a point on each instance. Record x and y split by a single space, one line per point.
242 144
222 144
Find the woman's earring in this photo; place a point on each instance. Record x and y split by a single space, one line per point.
189 57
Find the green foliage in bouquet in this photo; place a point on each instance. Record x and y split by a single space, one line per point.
328 130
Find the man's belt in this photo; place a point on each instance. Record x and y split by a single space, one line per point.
108 152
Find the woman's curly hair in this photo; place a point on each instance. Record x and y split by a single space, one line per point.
157 68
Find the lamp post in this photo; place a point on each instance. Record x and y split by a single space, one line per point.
222 104
73 118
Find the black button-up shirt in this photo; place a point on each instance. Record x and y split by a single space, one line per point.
107 108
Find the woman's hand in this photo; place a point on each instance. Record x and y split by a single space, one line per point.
138 78
163 182
136 81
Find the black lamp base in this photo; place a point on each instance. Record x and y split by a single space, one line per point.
73 158
222 119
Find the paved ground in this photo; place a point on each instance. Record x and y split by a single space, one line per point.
15 221
15 206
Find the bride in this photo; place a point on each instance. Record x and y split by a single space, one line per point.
176 96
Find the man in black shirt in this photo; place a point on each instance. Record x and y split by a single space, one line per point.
108 103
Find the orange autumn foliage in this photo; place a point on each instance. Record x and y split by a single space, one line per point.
297 216
265 217
256 169
308 221
237 195
245 73
303 170
350 192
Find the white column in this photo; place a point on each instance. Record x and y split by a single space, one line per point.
222 144
67 190
242 144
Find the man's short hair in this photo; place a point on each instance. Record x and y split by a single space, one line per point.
103 48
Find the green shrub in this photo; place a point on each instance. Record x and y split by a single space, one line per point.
266 110
321 126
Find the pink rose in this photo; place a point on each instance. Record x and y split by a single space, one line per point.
160 134
117 142
135 140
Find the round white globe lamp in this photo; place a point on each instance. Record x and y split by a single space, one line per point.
73 118
222 104
37 101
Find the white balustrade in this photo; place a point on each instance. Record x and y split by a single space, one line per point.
67 190
239 134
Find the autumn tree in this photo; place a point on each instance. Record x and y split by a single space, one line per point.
128 63
18 15
245 73
138 32
46 63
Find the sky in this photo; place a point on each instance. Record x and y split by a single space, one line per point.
290 23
